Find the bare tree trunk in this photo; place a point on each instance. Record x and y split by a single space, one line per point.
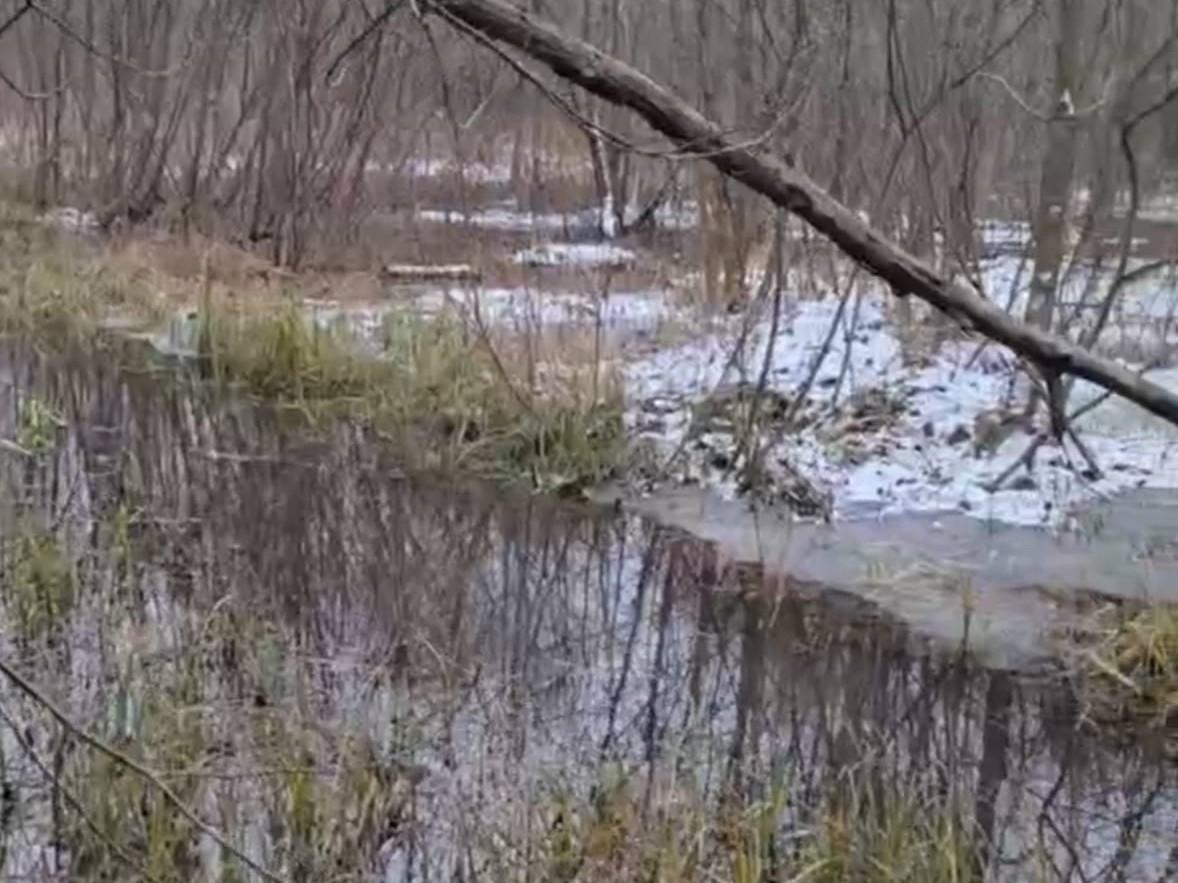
791 189
1055 187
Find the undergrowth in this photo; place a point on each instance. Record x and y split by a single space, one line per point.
38 582
852 834
56 290
444 394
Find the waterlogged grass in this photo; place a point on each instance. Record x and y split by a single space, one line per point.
221 719
445 395
893 836
39 426
448 397
851 836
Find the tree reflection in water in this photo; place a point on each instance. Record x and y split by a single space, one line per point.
350 669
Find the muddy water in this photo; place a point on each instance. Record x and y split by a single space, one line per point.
492 655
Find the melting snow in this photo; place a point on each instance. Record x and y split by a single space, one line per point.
925 460
473 172
70 219
522 308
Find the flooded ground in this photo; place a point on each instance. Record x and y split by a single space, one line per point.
359 674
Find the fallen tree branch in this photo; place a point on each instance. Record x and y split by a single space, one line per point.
791 189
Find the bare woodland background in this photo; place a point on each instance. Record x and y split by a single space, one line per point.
287 125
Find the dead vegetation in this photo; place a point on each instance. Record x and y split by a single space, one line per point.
853 835
1133 667
455 397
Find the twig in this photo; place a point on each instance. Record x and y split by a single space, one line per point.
33 96
1025 458
484 336
1013 94
13 448
1029 454
1011 297
753 452
62 25
819 359
134 766
73 800
15 17
734 357
849 331
361 38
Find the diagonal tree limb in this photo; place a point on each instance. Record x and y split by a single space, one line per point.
26 687
789 188
15 17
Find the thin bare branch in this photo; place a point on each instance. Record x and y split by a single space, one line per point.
42 699
15 17
66 28
1019 100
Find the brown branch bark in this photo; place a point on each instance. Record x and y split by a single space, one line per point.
791 189
26 687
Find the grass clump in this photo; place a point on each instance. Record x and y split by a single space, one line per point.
445 395
852 834
39 426
56 290
1135 666
282 356
892 836
38 583
451 399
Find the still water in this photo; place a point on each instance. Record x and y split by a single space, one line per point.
361 674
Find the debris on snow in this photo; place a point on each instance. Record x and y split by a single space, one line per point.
929 434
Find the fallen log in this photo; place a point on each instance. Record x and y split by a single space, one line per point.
790 188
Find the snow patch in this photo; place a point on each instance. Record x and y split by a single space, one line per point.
70 219
519 307
498 172
925 457
509 220
590 254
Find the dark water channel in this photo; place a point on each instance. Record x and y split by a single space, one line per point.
276 610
